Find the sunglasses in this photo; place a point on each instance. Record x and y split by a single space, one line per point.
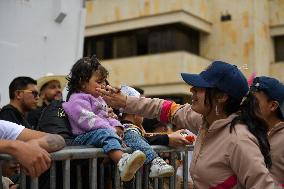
34 93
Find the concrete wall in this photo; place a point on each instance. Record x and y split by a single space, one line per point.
276 13
33 44
108 11
276 20
245 40
161 70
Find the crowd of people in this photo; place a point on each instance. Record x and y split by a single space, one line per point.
239 128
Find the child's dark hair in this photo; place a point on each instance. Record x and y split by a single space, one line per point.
82 71
250 115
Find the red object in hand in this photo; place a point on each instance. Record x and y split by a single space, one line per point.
190 138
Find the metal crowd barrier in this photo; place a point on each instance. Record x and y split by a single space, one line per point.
92 154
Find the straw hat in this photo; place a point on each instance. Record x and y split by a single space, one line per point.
47 78
50 77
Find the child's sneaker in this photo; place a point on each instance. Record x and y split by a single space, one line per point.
130 163
160 168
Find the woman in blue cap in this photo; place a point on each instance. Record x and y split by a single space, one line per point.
231 150
270 95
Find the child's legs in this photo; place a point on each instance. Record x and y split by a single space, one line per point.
103 138
137 142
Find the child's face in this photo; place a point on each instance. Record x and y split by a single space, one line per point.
96 81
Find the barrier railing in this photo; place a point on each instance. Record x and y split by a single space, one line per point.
92 154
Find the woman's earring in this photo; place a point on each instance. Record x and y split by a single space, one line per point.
216 110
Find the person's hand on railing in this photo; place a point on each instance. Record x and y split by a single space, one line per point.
47 141
51 142
113 97
34 159
177 140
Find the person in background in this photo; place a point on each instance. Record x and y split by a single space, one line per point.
157 128
24 97
270 95
50 88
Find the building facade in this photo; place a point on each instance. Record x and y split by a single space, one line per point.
148 43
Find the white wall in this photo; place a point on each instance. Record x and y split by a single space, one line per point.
33 44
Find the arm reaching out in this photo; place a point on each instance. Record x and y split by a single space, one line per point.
49 142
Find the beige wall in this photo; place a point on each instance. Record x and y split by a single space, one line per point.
245 40
277 71
242 41
161 69
107 11
276 20
276 12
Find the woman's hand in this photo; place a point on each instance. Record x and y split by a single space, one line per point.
177 140
113 97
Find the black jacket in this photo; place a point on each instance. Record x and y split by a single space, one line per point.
12 114
34 115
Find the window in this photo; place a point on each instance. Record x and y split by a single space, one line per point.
279 48
142 41
124 46
158 39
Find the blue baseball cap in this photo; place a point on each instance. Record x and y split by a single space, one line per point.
272 87
220 75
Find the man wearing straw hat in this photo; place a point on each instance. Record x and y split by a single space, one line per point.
50 88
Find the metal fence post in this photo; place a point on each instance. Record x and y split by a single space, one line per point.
53 176
102 176
79 176
116 183
145 178
34 183
138 179
156 183
1 183
173 163
66 174
185 170
93 173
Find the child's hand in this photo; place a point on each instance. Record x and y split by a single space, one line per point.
119 131
111 114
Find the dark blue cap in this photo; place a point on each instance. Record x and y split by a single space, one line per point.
220 75
272 87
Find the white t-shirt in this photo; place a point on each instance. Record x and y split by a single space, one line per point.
9 130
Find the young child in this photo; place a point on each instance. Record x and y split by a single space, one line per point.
133 137
89 118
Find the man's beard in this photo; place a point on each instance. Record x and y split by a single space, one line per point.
53 97
27 108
